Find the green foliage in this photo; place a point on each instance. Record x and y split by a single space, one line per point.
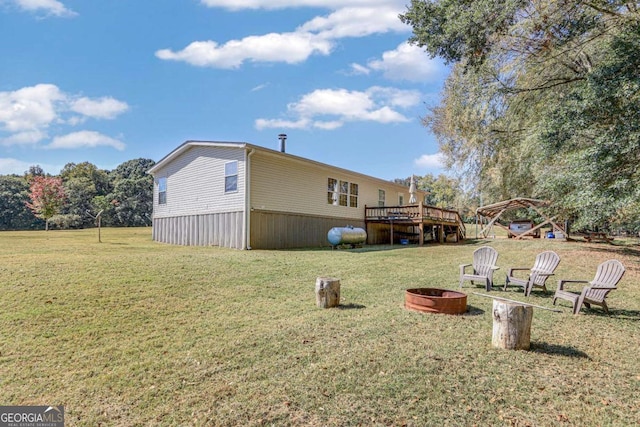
66 222
14 196
543 101
124 195
132 195
457 30
596 131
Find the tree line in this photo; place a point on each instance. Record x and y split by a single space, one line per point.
122 197
543 101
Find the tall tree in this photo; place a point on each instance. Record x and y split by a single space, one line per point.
83 182
541 100
132 195
14 213
47 197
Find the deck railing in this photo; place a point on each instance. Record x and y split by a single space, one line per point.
415 213
411 212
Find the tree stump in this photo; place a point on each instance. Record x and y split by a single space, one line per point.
327 292
511 325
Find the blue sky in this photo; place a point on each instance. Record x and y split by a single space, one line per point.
114 80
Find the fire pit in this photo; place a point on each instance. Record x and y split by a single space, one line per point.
432 300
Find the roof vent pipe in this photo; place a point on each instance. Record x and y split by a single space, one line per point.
282 137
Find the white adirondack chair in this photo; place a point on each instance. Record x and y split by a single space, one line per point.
607 277
545 264
483 267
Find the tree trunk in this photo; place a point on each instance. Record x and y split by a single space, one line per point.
327 292
511 325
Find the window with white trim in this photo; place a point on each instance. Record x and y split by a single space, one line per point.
342 193
332 191
400 199
381 198
162 191
353 195
231 177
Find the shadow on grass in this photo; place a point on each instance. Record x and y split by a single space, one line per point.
560 350
616 313
612 248
351 306
473 311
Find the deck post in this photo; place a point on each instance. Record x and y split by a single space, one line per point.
421 225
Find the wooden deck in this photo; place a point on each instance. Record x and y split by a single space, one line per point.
415 223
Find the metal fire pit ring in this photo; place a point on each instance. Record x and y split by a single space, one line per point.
433 300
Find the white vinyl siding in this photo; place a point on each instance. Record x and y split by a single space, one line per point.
162 190
196 182
282 184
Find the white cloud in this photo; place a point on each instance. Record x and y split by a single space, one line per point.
281 4
85 139
9 166
51 7
331 108
357 69
355 22
29 108
328 125
291 48
284 124
430 161
12 166
408 62
28 114
259 87
101 108
350 18
396 97
24 138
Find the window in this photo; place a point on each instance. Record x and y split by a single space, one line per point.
381 197
332 191
162 191
400 199
231 177
342 193
353 195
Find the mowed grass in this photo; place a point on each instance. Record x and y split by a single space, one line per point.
132 332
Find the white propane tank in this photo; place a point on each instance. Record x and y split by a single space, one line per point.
346 236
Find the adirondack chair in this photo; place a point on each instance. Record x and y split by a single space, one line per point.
484 264
545 264
607 277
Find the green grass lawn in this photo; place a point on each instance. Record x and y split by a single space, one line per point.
132 332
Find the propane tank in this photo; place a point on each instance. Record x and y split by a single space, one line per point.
348 235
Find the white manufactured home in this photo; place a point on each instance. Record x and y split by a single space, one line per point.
243 196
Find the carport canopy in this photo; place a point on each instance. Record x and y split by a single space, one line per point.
492 212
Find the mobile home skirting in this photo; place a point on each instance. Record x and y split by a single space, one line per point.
284 230
269 230
218 229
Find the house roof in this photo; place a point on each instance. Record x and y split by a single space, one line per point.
244 145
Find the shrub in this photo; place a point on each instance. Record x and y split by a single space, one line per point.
66 222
